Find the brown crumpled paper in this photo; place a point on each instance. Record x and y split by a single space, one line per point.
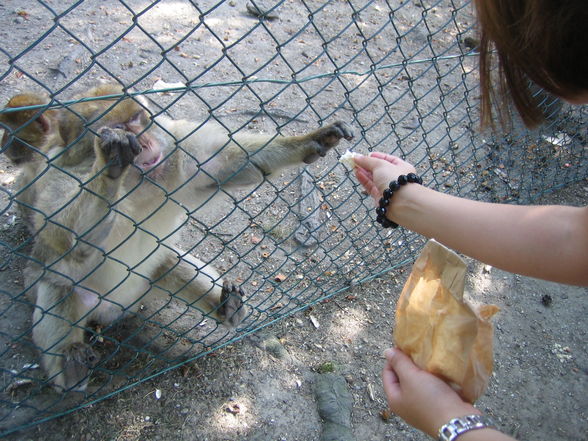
439 329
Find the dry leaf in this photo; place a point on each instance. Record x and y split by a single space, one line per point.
385 414
314 321
185 370
278 305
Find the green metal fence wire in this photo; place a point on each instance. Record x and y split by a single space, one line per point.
402 74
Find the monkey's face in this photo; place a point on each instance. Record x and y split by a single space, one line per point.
26 128
148 137
133 118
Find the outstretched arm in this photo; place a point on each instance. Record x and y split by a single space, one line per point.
547 242
215 159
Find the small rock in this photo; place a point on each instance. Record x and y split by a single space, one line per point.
334 402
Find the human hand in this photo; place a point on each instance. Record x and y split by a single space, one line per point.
421 399
374 172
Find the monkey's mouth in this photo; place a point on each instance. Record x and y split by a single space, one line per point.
148 159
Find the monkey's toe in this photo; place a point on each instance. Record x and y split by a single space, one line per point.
79 360
232 308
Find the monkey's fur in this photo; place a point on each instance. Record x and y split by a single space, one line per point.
105 200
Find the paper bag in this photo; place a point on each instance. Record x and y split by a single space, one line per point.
439 329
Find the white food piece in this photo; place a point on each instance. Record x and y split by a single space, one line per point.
348 158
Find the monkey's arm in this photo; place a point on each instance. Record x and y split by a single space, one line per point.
247 158
74 220
270 154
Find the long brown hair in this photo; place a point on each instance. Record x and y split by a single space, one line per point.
544 41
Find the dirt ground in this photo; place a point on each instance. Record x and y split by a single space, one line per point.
262 387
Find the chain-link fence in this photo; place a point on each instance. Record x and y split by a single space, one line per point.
402 75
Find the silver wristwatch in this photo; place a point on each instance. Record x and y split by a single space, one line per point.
457 426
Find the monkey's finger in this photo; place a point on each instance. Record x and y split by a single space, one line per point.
114 169
134 144
344 130
107 135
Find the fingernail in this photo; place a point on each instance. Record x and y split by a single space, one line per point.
390 352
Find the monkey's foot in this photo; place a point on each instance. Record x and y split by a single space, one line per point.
118 149
79 360
326 138
232 309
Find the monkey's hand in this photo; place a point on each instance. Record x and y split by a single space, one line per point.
232 309
325 138
117 149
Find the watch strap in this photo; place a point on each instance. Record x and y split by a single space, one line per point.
457 426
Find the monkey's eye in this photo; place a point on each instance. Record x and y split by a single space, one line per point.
119 126
137 117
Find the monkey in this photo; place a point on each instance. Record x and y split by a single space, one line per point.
26 132
29 133
107 200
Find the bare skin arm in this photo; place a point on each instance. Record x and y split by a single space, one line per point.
547 242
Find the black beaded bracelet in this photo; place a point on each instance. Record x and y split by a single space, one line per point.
381 218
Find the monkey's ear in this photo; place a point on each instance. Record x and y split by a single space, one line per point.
18 119
44 122
25 128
